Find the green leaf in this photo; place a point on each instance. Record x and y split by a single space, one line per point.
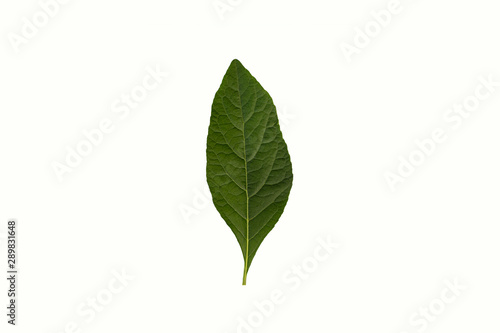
248 166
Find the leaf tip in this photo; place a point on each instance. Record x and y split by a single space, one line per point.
236 62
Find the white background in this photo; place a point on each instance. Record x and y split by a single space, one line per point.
346 124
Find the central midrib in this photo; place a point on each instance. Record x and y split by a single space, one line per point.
246 178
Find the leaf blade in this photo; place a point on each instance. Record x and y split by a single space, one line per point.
249 171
